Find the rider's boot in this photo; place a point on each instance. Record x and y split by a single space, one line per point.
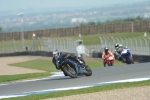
104 64
80 71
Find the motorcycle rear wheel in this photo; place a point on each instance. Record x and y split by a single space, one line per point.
88 71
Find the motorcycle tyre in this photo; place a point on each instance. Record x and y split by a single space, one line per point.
66 71
111 63
88 71
130 60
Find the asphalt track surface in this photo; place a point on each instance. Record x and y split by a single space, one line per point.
99 75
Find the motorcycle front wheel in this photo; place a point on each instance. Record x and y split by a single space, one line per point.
70 71
112 63
130 60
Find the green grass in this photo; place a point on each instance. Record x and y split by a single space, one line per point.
41 64
95 38
16 42
9 78
81 91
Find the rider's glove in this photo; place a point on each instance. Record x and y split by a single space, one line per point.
57 65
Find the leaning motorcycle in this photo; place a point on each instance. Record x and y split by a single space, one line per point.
109 60
71 70
127 56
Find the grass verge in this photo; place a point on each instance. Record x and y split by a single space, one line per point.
9 78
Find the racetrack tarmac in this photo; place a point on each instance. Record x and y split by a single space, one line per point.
100 75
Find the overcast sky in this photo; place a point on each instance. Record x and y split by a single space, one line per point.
23 4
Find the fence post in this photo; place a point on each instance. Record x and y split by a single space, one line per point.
15 45
101 42
117 40
145 46
126 41
131 45
4 46
141 44
132 27
105 41
121 40
135 45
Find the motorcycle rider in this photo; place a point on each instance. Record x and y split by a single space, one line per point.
118 50
104 53
59 59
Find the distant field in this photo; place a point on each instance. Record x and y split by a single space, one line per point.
94 39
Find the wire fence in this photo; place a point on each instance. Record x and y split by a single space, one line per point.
138 46
62 44
40 44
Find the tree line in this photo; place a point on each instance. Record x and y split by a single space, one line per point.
129 19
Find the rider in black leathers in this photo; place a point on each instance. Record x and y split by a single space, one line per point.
59 59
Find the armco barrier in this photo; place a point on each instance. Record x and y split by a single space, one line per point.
35 53
14 54
40 53
136 58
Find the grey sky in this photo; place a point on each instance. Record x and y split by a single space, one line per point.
23 4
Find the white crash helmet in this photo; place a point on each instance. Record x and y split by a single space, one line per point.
56 53
116 45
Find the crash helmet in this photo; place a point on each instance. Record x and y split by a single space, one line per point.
106 49
56 53
116 45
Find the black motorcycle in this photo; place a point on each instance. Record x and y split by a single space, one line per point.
71 70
